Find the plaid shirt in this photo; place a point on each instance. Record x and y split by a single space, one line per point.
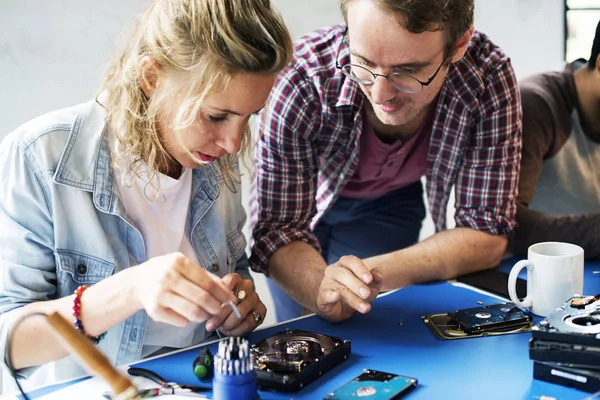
309 139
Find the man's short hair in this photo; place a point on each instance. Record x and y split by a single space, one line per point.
455 17
595 49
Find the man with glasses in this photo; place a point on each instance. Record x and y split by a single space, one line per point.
404 89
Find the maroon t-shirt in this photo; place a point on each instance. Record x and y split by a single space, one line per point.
385 167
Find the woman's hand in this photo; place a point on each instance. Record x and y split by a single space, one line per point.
251 308
174 290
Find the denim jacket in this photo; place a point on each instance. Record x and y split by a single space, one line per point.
62 223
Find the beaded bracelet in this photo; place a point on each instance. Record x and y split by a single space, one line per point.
76 313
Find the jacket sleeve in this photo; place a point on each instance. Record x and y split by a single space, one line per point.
27 262
242 268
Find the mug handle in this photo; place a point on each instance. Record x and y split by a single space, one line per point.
512 284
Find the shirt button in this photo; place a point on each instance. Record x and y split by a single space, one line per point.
81 269
215 268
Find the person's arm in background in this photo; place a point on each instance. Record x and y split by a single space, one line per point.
285 193
539 138
535 227
486 190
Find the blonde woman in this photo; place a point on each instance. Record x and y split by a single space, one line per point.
124 213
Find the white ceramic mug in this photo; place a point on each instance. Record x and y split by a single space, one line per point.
554 274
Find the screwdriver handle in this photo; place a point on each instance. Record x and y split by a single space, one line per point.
203 364
92 358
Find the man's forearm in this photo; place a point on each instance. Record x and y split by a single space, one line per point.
443 256
298 268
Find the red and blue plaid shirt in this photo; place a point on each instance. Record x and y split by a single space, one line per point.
309 139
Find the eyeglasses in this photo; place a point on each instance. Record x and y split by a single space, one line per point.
399 80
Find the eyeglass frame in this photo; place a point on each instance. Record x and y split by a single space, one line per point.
387 77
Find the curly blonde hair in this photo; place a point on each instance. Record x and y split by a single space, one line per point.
202 45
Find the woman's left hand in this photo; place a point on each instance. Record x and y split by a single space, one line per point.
251 308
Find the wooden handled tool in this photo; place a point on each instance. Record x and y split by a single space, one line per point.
91 358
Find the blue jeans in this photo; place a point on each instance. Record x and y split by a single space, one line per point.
364 228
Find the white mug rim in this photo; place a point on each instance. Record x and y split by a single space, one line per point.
575 250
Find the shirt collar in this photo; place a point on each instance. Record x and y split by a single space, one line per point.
348 92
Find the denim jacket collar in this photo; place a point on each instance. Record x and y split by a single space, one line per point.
92 171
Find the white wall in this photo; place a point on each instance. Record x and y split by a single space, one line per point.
530 31
52 52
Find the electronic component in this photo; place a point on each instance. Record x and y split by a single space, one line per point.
374 385
290 360
495 319
570 334
569 375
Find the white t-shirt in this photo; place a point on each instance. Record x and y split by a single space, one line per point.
163 220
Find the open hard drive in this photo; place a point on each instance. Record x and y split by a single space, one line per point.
490 320
570 334
290 360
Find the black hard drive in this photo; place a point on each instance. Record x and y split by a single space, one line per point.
290 360
576 377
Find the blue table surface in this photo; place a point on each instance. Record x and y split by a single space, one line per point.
496 367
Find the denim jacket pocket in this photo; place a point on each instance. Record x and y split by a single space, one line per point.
236 245
76 269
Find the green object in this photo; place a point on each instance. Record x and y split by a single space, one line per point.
200 371
203 363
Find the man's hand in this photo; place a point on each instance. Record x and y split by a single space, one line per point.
347 286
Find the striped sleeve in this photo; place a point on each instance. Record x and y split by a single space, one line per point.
284 193
486 186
